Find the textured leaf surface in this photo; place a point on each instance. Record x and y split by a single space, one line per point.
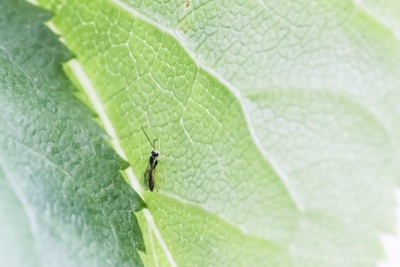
278 123
79 210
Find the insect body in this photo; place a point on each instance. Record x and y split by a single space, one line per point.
150 170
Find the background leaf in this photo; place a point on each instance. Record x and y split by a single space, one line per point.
278 122
17 244
79 209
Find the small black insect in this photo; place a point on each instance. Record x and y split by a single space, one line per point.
150 170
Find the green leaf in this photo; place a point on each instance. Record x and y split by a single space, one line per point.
277 123
17 245
79 209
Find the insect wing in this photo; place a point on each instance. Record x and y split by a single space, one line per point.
148 180
147 176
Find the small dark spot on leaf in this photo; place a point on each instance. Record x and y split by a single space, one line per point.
187 5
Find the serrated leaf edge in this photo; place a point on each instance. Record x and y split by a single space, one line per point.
78 72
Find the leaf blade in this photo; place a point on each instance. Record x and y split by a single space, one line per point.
54 155
151 60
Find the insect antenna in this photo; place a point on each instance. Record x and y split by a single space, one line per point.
152 144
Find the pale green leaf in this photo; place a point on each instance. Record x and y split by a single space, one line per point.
17 245
277 122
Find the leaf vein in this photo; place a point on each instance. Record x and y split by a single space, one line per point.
235 91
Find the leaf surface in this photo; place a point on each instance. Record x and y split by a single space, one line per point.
17 244
277 123
55 158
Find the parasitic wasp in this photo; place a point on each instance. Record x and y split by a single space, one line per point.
151 166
